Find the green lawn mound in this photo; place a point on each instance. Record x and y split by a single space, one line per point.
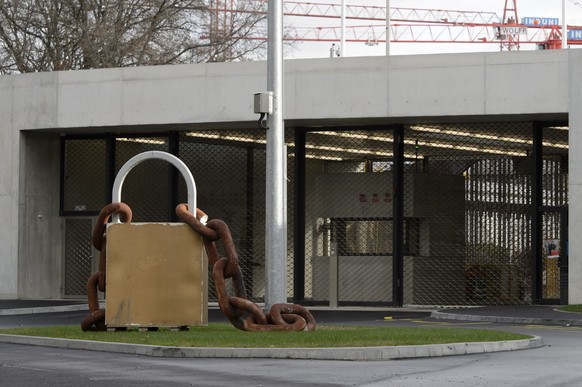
224 335
572 308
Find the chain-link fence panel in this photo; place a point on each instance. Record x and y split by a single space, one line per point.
348 211
84 174
84 191
555 166
554 260
467 211
78 251
471 195
229 169
147 188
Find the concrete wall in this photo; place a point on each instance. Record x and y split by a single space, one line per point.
320 91
40 258
575 179
9 175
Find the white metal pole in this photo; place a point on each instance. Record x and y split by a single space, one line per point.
276 207
388 25
564 25
342 48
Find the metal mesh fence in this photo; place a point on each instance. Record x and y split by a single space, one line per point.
467 214
467 211
471 195
555 166
554 194
78 256
348 214
229 169
147 189
86 190
85 172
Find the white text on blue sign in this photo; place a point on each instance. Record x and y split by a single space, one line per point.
540 21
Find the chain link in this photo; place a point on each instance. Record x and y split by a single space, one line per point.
95 320
282 317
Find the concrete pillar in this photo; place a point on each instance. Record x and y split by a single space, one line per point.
575 179
40 236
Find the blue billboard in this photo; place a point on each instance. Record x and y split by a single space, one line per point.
574 34
540 21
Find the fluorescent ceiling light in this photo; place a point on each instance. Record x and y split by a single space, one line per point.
141 140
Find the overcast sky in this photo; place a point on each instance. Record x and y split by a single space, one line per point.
525 8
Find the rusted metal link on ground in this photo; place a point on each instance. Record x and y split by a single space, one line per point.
282 317
95 320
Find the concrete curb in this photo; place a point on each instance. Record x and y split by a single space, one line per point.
46 309
355 353
505 320
43 309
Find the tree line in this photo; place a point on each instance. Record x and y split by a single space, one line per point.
52 35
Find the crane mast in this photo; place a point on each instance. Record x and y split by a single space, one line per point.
508 36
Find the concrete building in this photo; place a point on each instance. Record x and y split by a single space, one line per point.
432 100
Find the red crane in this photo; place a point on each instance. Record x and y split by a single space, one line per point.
413 25
509 41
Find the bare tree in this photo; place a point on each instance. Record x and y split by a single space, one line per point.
46 35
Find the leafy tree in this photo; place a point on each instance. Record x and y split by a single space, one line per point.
47 35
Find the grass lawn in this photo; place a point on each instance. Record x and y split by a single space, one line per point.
572 308
224 335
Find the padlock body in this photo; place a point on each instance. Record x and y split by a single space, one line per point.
157 276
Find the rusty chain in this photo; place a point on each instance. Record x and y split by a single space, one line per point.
95 320
282 317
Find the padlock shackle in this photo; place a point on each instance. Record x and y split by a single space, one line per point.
137 159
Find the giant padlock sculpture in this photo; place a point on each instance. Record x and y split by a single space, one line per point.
174 293
156 274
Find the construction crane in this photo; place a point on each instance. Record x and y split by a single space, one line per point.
411 25
509 41
415 25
